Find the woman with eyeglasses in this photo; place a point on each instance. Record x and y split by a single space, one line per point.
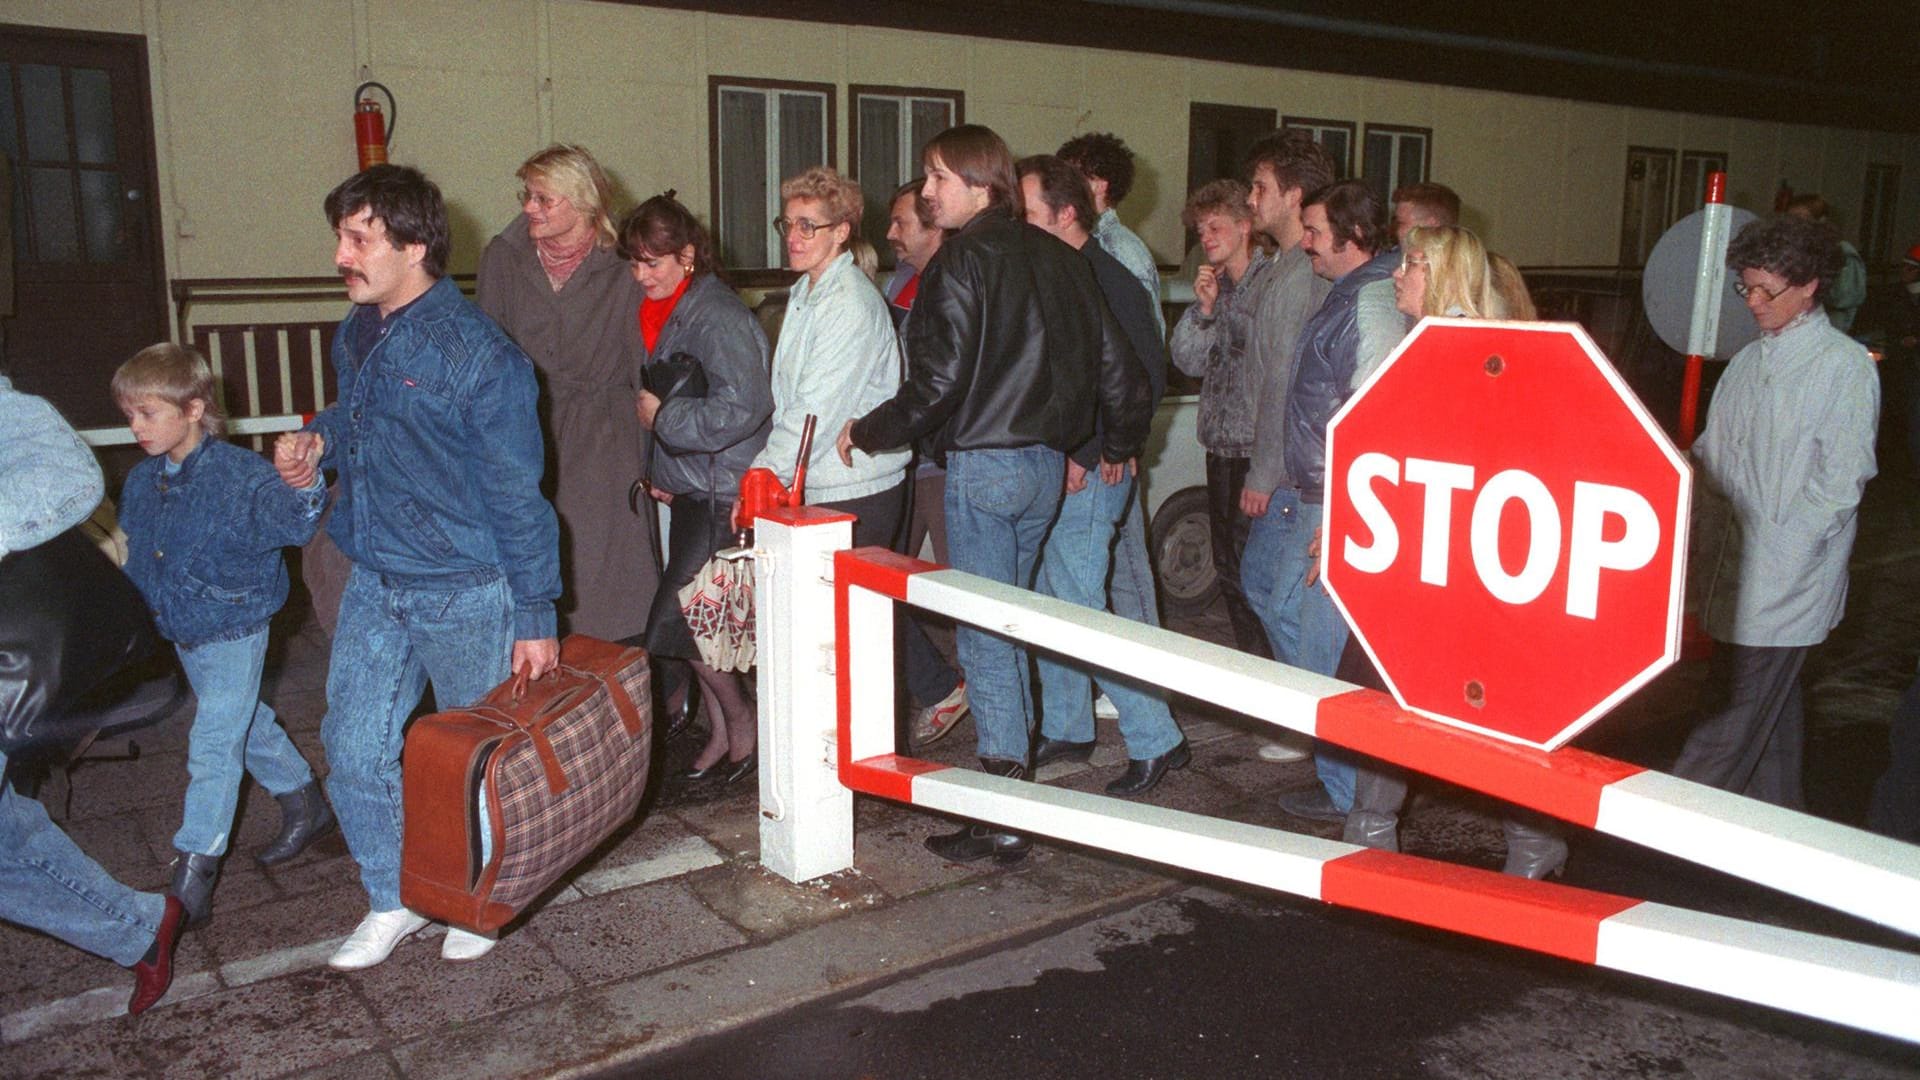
709 418
554 282
1445 270
837 358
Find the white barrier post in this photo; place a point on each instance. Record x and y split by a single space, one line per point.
806 815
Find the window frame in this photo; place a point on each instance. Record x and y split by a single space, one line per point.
1686 200
1316 125
1877 222
716 84
1426 155
904 94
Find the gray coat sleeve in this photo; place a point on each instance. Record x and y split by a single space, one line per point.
1291 296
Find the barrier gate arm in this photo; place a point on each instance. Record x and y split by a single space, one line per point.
1867 987
1848 869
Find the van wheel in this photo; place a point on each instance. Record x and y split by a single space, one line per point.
1181 542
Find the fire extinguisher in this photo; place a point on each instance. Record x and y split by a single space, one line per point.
371 130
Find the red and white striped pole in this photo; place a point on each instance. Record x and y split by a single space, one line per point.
1709 285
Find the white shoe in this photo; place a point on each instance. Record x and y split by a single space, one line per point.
1104 708
374 939
933 723
1284 749
462 945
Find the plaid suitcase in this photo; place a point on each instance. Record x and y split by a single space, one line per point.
564 766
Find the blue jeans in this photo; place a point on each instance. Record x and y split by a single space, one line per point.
1133 592
389 644
49 884
999 504
1303 626
1073 567
234 733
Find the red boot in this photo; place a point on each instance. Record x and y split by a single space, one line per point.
154 973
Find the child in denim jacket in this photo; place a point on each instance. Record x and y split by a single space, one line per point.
205 522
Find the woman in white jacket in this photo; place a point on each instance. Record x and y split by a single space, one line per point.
837 357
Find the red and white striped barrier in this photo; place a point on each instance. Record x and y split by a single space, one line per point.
1867 987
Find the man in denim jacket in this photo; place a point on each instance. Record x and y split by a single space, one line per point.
437 448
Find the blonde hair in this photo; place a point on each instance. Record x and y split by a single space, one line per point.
1510 289
177 375
1458 278
578 178
840 198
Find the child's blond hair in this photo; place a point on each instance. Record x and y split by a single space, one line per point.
176 374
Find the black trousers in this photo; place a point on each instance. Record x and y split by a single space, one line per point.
1229 528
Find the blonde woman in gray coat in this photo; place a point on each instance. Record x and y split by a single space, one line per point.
555 283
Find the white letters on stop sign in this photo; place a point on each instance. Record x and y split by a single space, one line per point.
1588 552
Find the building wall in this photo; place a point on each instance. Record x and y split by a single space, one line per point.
253 114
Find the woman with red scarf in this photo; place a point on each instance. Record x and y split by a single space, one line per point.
706 431
554 282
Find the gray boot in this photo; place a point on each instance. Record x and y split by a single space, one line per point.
193 878
1535 848
304 818
1374 820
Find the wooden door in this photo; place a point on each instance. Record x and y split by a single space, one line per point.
76 126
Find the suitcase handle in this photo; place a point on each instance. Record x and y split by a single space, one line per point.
542 746
616 693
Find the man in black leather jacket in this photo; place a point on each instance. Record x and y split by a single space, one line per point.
1010 354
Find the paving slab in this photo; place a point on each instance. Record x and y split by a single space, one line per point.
639 929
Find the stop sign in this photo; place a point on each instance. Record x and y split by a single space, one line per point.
1506 528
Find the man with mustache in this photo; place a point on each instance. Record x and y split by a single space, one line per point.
455 552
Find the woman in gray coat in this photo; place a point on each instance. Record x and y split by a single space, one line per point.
704 440
554 282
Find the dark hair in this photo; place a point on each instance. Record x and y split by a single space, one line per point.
914 188
662 226
1062 186
1354 214
1438 200
1227 197
1798 249
1102 155
1296 159
1809 205
405 202
980 158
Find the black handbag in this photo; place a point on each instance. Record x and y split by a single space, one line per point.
78 648
678 375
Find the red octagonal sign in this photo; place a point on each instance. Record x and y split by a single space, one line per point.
1506 528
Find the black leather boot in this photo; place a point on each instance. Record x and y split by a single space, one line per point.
304 818
975 841
1142 775
193 878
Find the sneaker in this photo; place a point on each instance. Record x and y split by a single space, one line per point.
463 945
1288 747
933 723
1104 708
373 940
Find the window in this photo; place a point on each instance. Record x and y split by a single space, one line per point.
1876 212
1336 136
1218 138
1646 205
1694 167
887 126
1396 156
761 131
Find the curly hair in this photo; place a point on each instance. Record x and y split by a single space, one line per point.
663 226
1798 249
1102 156
1227 197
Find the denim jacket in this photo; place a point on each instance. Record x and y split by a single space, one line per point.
1332 345
435 442
203 544
49 480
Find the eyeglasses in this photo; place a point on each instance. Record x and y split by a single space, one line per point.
785 225
1411 261
1744 290
544 202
